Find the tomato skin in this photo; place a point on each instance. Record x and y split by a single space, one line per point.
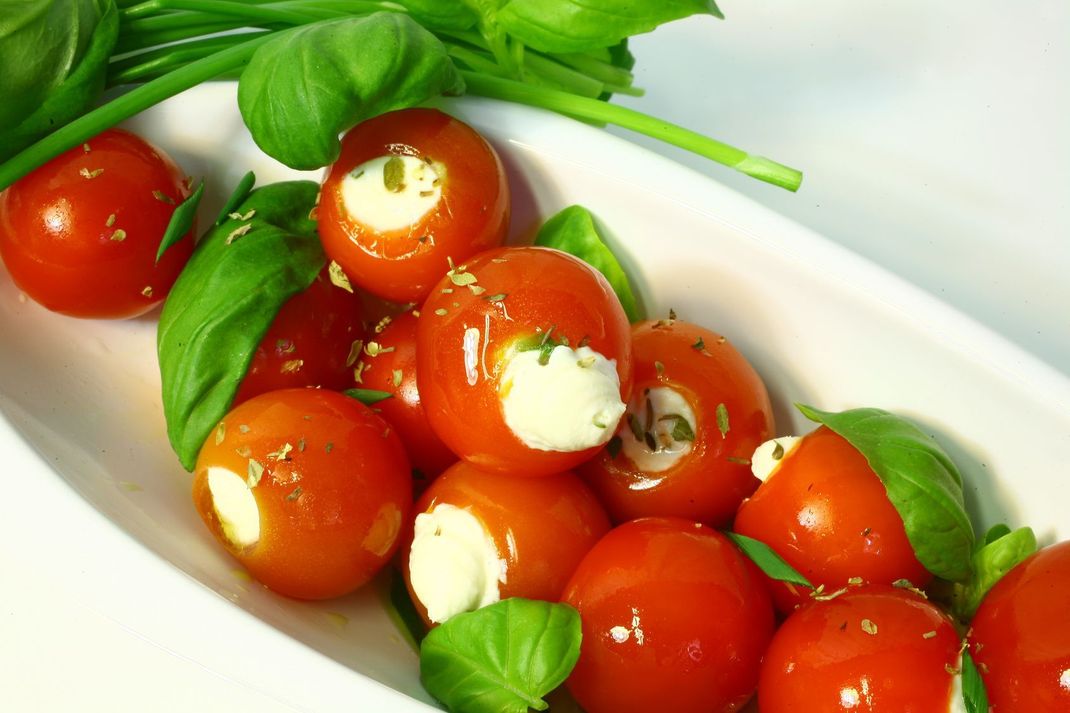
823 660
543 288
308 344
472 214
674 619
393 369
827 514
332 509
58 228
541 527
709 482
1020 635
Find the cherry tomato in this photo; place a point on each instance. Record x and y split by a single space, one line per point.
410 189
79 235
524 360
697 413
877 649
674 619
1020 637
307 488
826 512
540 529
309 343
388 363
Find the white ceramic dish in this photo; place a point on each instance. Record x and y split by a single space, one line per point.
108 504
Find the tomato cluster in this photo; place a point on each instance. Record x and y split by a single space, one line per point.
554 450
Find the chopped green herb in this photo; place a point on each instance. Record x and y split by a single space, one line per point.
338 276
681 428
354 351
659 368
254 473
722 419
778 450
869 627
699 345
328 447
301 445
394 174
496 297
614 446
294 494
740 461
396 377
220 432
635 426
163 197
119 235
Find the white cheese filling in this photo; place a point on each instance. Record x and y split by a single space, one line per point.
391 198
235 507
570 403
454 565
667 412
769 455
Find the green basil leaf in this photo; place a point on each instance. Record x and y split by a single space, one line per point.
441 14
223 303
308 85
502 658
922 483
582 25
368 396
772 564
995 532
402 611
239 194
974 695
54 57
990 563
181 220
573 231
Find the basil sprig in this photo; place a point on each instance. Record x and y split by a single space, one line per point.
241 274
922 483
181 222
502 658
573 231
771 564
1001 551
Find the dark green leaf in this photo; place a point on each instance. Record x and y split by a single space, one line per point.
573 231
772 564
990 563
974 695
237 196
502 658
995 532
681 427
367 396
441 14
308 85
923 484
181 220
223 303
614 446
402 612
722 420
582 25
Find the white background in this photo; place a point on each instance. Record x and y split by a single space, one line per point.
933 138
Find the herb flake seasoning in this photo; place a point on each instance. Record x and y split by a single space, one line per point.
869 627
294 494
614 446
220 432
254 473
681 427
339 277
163 197
394 174
722 419
699 345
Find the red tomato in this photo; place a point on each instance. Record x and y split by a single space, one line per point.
498 310
450 200
827 514
674 617
329 486
79 235
698 468
308 344
1020 637
877 649
388 363
541 527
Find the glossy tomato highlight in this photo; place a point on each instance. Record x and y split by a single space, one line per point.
410 189
674 617
698 411
308 489
524 360
80 234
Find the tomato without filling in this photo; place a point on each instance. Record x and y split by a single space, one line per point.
674 618
410 189
877 649
1020 636
826 512
697 413
307 488
524 360
79 235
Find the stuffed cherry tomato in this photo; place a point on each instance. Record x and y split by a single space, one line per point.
307 488
524 360
79 235
1020 636
824 510
310 343
674 617
387 363
877 649
698 411
478 538
411 188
